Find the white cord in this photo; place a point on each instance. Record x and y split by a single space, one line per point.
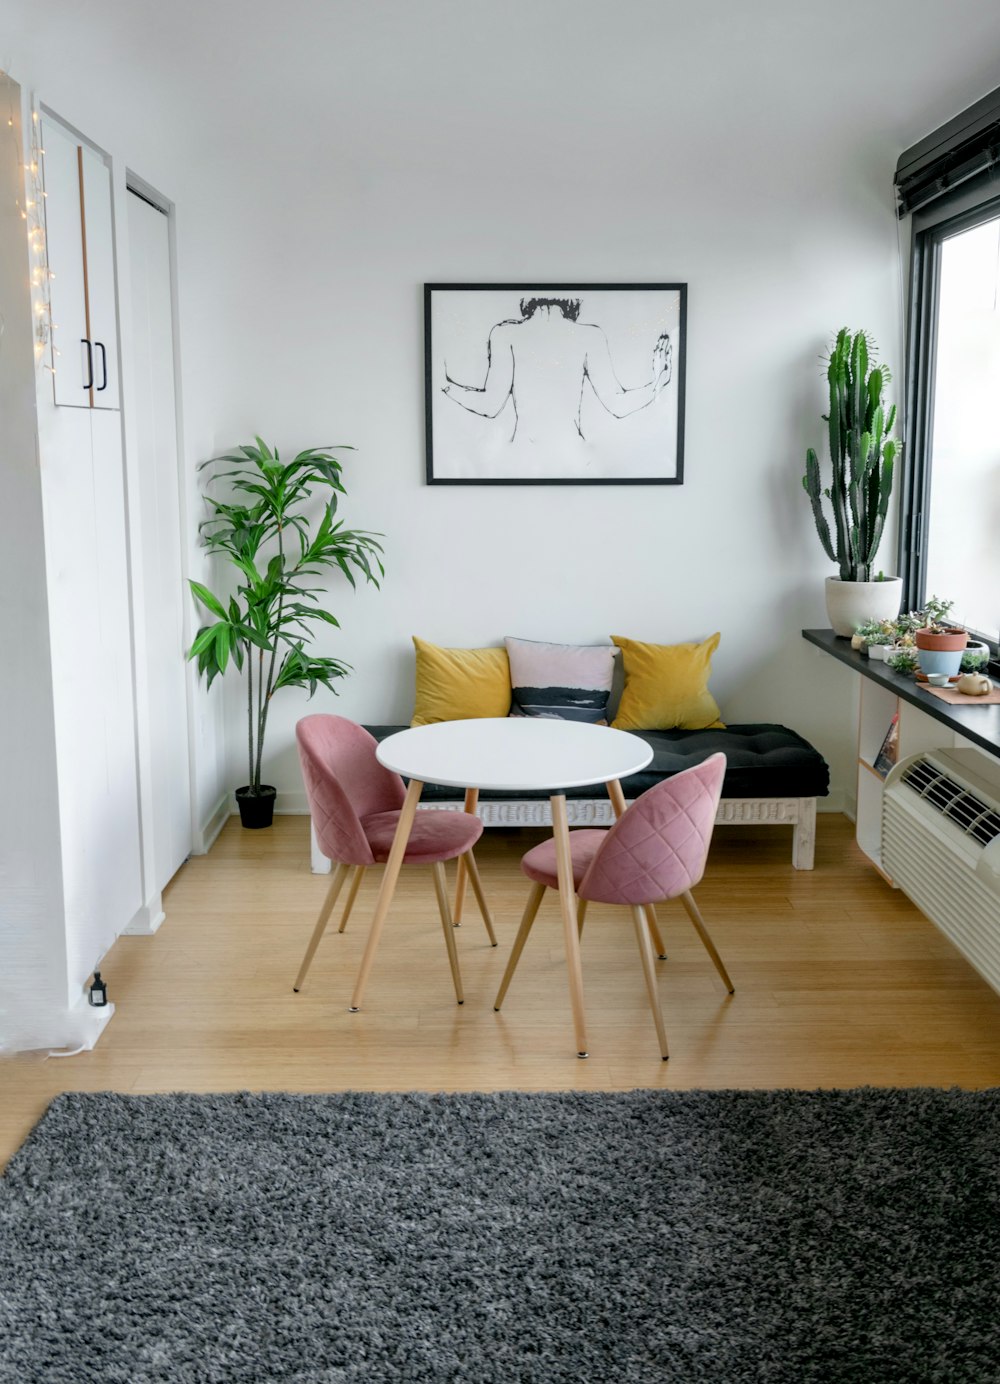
86 1048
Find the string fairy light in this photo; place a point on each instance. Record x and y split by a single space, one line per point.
31 208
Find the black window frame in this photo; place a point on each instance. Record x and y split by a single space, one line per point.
962 209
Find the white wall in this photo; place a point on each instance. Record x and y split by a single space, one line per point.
326 161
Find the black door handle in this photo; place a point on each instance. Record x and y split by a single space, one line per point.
104 365
90 363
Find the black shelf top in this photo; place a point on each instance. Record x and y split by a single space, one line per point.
980 724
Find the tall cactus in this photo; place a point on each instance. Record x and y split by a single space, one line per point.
862 454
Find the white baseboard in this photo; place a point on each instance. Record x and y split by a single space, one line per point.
210 829
147 919
83 1026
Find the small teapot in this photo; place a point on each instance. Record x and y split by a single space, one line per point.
974 684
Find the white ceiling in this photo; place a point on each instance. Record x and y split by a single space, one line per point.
466 86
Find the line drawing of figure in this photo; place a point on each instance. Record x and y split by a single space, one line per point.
543 362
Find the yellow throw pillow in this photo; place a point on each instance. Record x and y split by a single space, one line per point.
666 686
460 684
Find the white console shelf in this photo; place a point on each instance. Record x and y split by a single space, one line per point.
924 723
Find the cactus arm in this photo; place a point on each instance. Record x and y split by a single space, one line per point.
837 375
811 485
873 399
885 490
873 487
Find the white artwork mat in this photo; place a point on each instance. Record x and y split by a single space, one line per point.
555 384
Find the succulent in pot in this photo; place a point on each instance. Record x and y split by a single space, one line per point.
902 658
976 657
940 644
876 637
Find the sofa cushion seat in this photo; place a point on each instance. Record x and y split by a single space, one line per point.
762 761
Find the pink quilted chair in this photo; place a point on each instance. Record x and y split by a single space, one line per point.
355 804
656 851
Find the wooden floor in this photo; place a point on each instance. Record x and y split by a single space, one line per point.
839 980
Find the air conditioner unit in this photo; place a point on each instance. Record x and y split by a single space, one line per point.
941 845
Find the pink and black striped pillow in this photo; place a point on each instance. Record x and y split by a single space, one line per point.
566 682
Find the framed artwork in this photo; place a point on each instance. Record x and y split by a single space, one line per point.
555 384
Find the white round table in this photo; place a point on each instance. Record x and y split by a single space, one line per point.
507 754
514 753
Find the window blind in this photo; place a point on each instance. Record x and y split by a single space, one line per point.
946 163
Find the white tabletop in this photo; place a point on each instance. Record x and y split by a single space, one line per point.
514 753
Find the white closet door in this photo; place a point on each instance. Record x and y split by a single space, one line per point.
90 633
155 431
64 238
80 241
100 255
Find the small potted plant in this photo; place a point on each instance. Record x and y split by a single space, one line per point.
876 638
975 658
940 643
902 658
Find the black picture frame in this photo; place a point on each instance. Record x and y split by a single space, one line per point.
559 432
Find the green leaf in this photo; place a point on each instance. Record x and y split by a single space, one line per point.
210 602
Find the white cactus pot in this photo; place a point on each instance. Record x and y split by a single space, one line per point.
852 603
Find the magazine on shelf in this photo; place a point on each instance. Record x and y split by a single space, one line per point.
889 753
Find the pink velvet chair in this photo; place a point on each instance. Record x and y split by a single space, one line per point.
355 803
655 852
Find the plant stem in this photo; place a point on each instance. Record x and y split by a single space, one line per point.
255 769
262 722
249 715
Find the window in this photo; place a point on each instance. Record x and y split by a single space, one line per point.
950 530
962 559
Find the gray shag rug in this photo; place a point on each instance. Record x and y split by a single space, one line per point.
649 1236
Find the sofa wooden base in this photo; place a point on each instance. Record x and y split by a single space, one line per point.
798 813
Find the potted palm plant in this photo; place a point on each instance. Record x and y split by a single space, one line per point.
276 550
862 456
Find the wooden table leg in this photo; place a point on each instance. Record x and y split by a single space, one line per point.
461 877
567 903
618 804
387 888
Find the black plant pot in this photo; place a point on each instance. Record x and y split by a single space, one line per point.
256 809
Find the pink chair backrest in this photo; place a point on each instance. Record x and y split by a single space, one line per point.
344 784
657 850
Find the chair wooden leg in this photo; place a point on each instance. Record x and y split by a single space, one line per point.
477 888
567 905
531 908
654 932
352 894
441 889
387 889
581 913
649 971
336 884
687 900
471 803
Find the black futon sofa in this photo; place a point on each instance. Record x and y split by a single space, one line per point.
772 776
